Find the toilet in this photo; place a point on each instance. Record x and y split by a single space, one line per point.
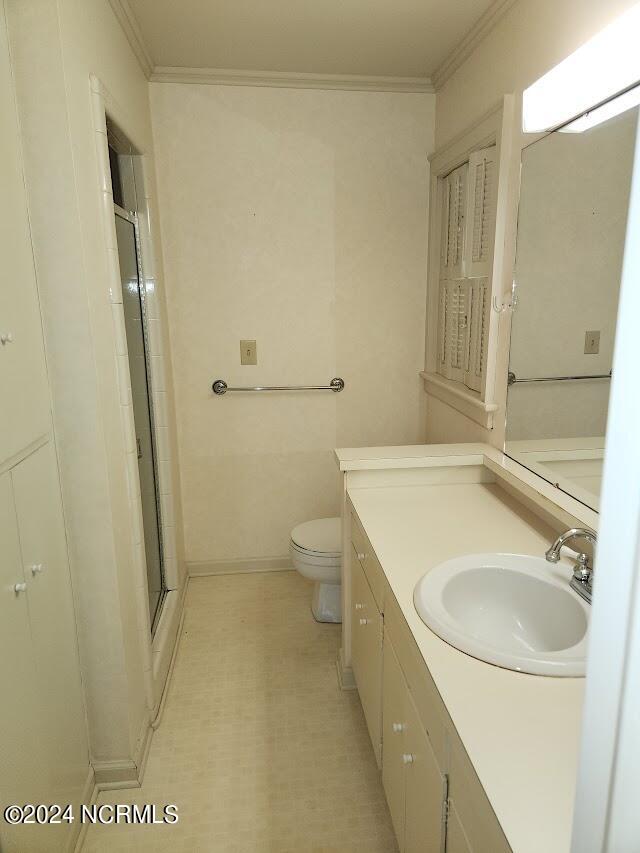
316 552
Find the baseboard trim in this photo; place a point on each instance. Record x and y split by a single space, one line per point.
116 774
143 749
346 679
163 698
164 644
203 568
88 798
128 772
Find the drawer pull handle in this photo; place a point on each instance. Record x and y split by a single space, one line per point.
364 621
19 587
37 569
407 758
362 557
359 606
398 727
6 338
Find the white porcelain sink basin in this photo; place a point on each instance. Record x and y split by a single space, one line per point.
512 610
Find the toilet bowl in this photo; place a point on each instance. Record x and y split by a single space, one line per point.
316 552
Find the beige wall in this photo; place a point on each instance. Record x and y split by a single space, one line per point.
298 218
56 46
529 40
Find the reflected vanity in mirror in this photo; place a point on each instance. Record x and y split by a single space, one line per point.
575 185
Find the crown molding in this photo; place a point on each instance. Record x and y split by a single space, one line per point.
129 23
478 32
288 80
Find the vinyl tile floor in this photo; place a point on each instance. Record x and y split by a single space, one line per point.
258 747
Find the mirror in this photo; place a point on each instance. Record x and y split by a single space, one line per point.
572 216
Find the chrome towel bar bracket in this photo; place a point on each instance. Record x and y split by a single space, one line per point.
220 387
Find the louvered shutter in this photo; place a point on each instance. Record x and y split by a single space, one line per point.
481 212
452 240
476 361
444 225
453 329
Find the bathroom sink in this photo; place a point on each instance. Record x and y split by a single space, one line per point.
512 610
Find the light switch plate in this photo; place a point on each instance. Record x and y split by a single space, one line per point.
591 343
248 352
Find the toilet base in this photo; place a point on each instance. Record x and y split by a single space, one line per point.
326 603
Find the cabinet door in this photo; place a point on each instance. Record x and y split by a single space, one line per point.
53 627
23 386
394 701
457 841
22 769
425 789
366 653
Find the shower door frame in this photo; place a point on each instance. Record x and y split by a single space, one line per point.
131 216
157 649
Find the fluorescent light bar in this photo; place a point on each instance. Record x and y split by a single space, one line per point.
607 64
612 108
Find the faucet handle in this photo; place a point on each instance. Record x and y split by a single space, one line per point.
583 568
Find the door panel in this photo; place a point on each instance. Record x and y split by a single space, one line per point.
23 770
425 790
394 699
141 395
457 841
25 393
53 626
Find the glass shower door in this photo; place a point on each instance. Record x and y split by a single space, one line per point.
137 345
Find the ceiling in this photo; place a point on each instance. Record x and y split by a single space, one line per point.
385 38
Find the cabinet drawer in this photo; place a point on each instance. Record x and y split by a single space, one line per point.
369 562
366 654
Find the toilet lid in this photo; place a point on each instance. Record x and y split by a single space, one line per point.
322 536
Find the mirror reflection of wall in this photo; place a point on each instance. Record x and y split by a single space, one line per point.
571 236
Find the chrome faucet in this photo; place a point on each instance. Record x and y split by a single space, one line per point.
582 580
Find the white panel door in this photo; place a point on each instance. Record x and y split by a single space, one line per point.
53 626
23 772
23 385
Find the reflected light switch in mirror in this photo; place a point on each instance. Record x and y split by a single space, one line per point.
248 352
591 343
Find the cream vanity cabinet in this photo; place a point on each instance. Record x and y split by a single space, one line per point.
436 801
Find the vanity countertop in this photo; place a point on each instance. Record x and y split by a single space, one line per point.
520 731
